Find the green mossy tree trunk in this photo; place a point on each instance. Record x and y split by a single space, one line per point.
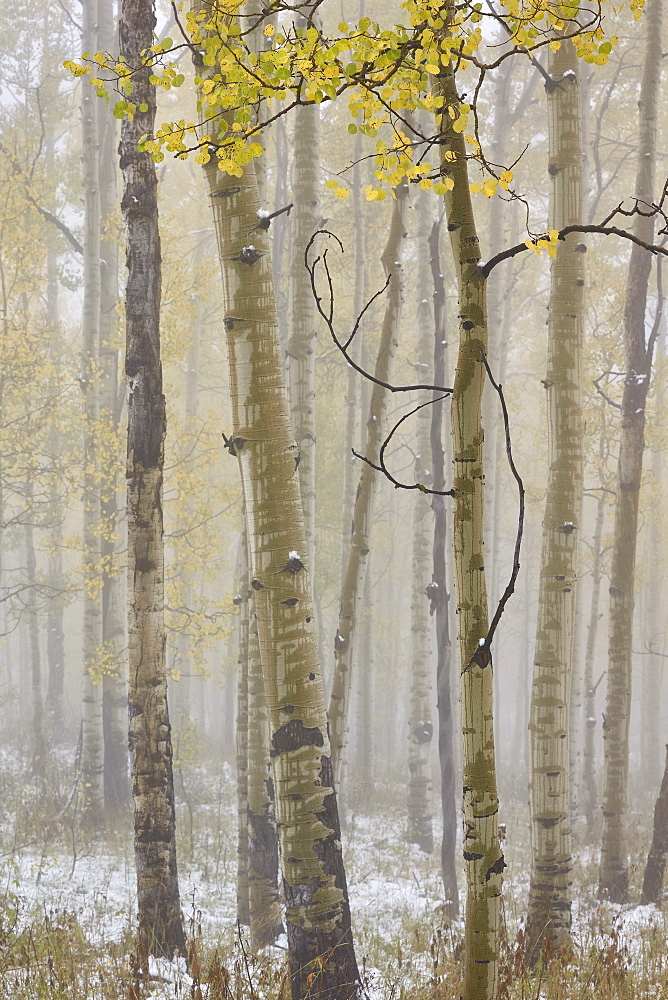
484 862
320 945
550 896
302 341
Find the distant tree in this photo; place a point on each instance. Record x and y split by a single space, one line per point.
638 351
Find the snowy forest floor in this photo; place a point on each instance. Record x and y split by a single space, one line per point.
67 907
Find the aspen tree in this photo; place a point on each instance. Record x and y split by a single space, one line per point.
38 747
652 672
114 680
320 945
302 341
438 591
589 751
549 915
482 854
317 913
158 901
352 377
93 738
242 600
652 886
264 900
352 588
55 635
614 872
420 726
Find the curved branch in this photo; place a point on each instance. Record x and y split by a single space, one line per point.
624 234
510 586
381 467
328 316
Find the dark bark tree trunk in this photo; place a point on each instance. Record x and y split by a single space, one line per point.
158 900
652 886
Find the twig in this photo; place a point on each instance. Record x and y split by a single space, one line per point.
311 267
483 653
381 467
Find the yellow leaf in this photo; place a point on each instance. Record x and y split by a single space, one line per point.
474 188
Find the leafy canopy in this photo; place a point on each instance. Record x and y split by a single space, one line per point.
385 74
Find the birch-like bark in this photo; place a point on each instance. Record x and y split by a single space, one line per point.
550 896
589 705
93 740
652 668
575 741
320 946
352 588
302 340
55 635
352 377
420 725
114 681
484 861
38 745
242 600
614 871
439 594
264 900
158 901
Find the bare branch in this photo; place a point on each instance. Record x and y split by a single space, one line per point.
328 316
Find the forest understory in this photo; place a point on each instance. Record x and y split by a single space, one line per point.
68 904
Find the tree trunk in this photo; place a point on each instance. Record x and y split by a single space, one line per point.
320 945
302 341
550 897
265 905
38 746
352 587
588 760
93 739
652 886
614 872
420 725
482 854
114 681
242 600
439 594
158 899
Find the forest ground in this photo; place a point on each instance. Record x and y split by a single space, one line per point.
67 905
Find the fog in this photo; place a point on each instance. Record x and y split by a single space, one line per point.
332 395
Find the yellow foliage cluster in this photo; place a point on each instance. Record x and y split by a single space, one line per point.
384 72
